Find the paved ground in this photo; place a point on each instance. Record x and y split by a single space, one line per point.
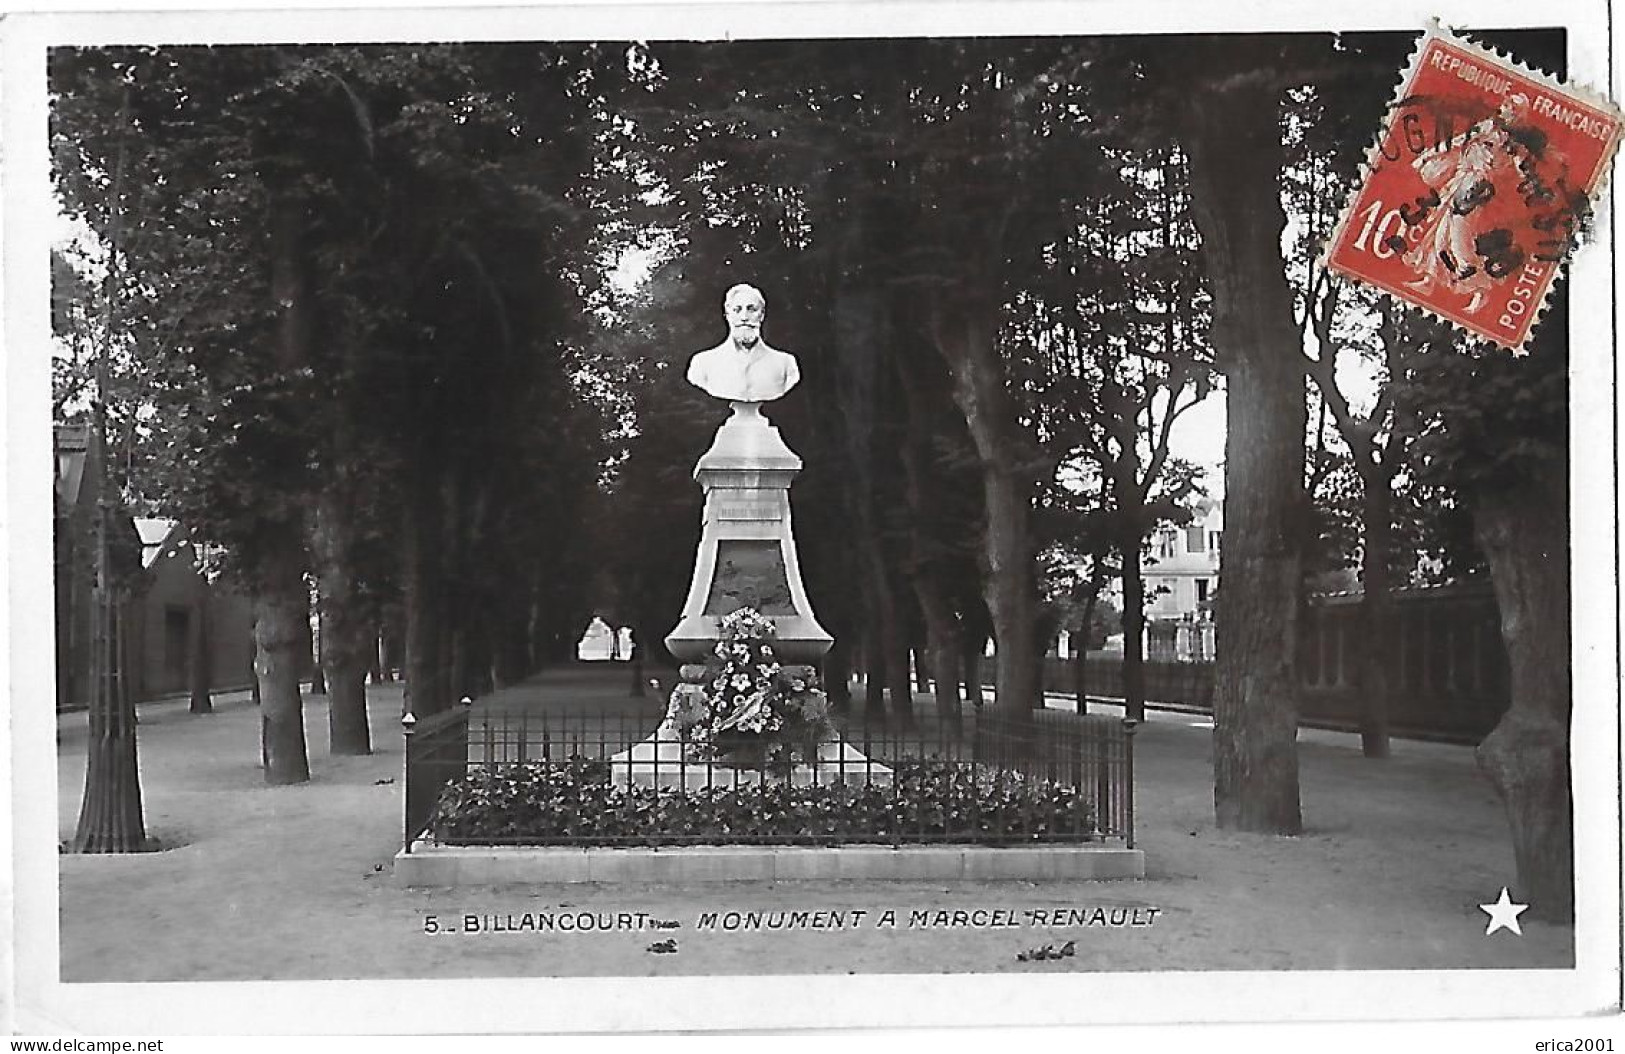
295 882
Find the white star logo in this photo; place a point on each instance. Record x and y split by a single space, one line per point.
1503 914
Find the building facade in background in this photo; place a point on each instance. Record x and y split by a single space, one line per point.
181 624
1182 574
175 622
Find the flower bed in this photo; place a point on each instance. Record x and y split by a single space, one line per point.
574 803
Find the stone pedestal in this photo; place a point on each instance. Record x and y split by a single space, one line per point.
659 762
747 555
747 558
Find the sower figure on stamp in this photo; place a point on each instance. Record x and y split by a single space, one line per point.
743 369
1463 176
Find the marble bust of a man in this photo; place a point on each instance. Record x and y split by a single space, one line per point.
743 369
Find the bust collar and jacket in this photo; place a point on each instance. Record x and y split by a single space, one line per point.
755 375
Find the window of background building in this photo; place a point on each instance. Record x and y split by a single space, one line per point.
1193 539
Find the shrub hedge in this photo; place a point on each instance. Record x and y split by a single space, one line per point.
575 803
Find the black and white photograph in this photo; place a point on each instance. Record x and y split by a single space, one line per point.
765 516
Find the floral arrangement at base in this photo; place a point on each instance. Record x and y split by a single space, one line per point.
749 709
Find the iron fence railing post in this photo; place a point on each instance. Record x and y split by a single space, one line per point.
408 722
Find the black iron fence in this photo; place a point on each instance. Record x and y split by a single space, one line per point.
1447 667
436 753
550 778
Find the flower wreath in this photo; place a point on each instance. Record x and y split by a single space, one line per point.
748 706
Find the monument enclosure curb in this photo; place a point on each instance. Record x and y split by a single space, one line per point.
433 865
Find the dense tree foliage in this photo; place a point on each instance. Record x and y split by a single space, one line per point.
351 276
413 320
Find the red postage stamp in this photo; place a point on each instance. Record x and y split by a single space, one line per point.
1476 190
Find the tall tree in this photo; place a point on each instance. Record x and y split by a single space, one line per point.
110 815
1124 325
332 323
1498 433
1231 131
1326 127
1378 440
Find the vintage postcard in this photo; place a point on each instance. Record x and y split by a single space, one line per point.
762 516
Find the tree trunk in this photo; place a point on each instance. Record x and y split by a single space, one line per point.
347 634
199 670
318 668
920 488
281 643
894 642
281 599
1524 535
970 658
1011 598
477 652
966 335
1376 615
457 679
1133 632
424 601
445 661
874 671
942 649
509 650
392 645
1233 138
637 687
347 699
1080 654
536 634
110 816
511 661
899 684
838 675
253 667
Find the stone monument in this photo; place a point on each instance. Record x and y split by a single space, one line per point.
747 552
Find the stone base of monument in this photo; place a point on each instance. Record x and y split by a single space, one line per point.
659 761
440 865
747 552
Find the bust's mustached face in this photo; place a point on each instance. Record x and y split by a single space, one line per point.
745 321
